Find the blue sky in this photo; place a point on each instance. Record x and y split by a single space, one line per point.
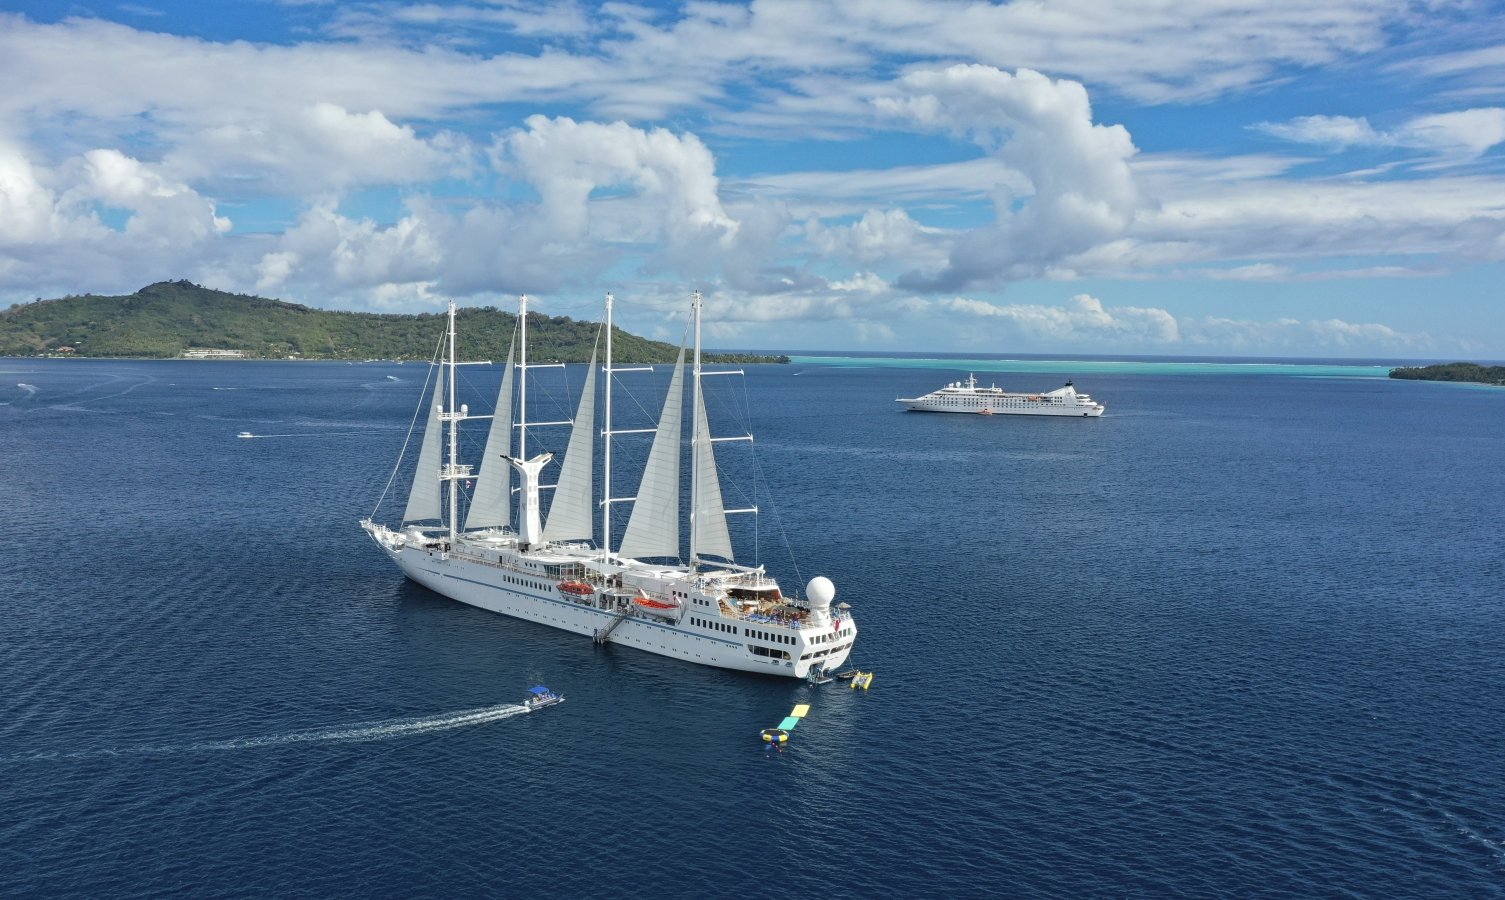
1270 178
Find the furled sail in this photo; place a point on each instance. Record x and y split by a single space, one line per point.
709 517
653 527
423 499
570 515
491 505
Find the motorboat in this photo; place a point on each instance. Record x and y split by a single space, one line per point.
539 697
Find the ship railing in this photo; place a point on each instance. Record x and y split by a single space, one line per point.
789 618
736 576
473 557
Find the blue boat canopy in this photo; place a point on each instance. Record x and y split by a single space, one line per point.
540 689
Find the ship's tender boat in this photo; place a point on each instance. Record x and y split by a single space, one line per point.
539 697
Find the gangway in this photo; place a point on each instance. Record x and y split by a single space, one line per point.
604 633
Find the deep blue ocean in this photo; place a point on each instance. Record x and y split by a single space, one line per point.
1244 636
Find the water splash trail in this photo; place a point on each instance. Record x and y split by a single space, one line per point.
360 731
248 435
111 381
30 390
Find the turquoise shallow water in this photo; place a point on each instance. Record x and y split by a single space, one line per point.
1073 367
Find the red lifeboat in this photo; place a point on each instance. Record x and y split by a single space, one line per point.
576 588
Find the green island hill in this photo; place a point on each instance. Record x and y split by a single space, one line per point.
1458 371
177 319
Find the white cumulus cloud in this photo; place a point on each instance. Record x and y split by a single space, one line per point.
318 149
162 211
1082 191
1083 318
604 192
53 229
672 178
879 236
29 211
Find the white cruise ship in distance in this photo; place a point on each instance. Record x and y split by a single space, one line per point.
967 397
504 552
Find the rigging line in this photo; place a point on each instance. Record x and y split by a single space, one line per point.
468 440
751 498
719 405
778 518
411 425
647 416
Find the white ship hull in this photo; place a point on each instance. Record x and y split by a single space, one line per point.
816 646
994 407
967 397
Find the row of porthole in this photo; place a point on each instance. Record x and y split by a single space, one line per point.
660 646
718 626
770 651
520 582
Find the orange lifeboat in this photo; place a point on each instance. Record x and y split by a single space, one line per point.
576 588
653 604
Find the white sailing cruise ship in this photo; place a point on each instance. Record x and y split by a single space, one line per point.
967 397
559 567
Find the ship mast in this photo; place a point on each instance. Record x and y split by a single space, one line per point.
608 432
454 433
529 522
695 408
522 377
606 445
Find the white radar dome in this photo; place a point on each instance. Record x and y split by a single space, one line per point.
821 592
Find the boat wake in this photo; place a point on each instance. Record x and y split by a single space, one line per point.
133 382
303 434
360 731
29 391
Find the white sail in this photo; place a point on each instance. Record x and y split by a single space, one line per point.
491 505
570 515
653 527
423 499
709 520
